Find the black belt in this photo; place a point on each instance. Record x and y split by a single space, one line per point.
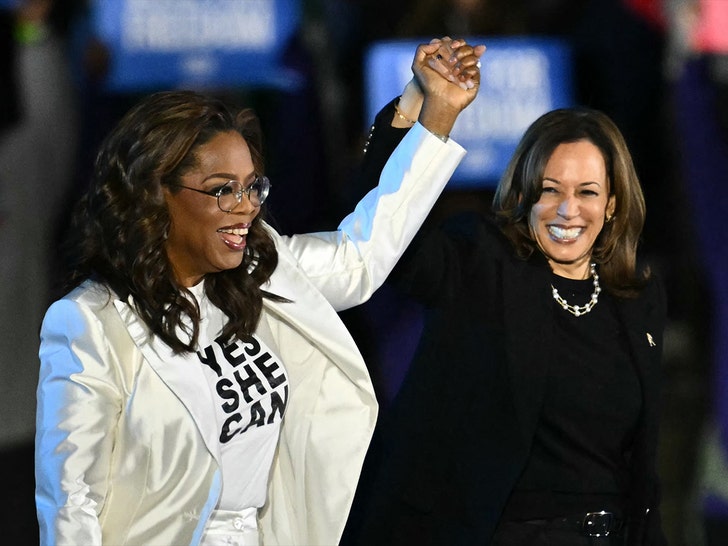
591 524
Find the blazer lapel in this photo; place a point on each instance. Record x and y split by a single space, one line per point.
644 325
312 317
526 286
644 331
643 319
309 314
180 373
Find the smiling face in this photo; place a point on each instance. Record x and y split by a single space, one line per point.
574 203
202 238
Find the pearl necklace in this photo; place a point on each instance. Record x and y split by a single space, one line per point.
579 310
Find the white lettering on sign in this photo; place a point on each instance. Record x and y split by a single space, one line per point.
520 70
516 91
179 25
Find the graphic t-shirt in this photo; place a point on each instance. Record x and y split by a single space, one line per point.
250 390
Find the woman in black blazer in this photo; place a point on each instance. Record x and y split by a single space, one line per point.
529 413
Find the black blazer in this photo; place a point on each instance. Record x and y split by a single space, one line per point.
459 433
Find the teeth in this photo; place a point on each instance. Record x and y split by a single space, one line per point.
235 231
561 233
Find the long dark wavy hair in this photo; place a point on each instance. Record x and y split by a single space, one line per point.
120 225
520 187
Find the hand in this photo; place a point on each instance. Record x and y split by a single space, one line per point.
446 80
457 61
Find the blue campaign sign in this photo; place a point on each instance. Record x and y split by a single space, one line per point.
521 78
196 43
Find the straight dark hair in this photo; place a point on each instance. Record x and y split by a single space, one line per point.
520 187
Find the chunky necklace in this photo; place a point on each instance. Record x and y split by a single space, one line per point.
578 310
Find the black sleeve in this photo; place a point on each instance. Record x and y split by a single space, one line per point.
432 267
380 143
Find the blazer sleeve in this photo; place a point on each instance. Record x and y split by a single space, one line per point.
348 265
433 265
381 142
79 403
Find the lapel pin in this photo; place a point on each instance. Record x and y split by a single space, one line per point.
650 340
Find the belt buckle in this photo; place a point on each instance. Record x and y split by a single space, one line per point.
597 524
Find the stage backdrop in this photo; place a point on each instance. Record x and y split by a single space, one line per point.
196 43
521 78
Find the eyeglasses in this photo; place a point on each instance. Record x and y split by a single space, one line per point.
231 193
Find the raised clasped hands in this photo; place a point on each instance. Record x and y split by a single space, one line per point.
446 80
455 60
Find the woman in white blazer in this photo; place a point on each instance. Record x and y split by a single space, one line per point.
196 384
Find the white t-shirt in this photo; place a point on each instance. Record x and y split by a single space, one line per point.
251 389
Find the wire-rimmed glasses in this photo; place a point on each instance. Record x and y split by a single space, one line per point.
230 194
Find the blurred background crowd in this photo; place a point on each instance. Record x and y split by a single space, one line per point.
659 68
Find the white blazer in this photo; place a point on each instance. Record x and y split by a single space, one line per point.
126 444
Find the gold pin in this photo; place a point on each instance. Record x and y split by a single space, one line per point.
650 340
